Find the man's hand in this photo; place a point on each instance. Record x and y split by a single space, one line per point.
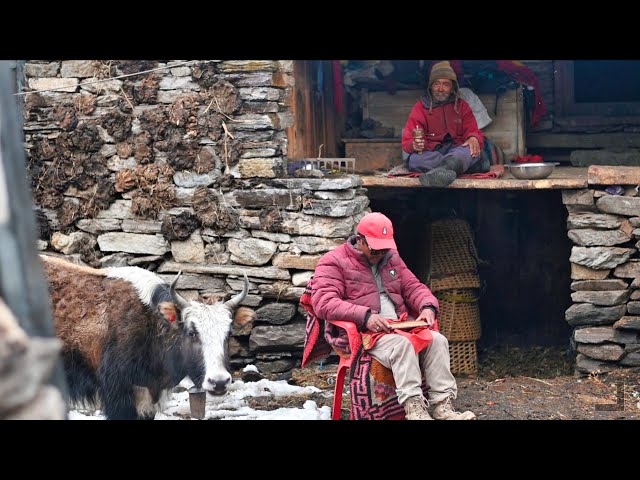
418 145
474 146
377 323
428 316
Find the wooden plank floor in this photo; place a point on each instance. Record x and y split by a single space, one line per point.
562 177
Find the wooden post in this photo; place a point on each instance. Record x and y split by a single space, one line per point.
22 282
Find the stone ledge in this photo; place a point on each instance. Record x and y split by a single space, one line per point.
604 175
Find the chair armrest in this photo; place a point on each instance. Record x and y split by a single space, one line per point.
352 333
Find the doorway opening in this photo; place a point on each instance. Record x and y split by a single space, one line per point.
523 251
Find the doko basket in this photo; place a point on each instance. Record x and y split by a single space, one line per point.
454 280
459 314
464 358
454 258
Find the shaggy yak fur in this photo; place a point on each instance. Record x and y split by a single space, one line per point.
129 337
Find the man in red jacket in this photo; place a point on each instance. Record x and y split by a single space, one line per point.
365 281
451 142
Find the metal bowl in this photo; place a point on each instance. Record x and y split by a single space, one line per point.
532 171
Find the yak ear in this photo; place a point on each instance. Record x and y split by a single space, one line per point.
170 313
244 315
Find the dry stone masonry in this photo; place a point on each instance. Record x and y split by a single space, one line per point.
605 269
184 168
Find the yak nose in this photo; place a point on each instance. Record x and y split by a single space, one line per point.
218 386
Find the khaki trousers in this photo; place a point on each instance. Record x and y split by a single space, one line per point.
397 354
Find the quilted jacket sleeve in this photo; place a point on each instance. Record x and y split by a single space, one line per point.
329 292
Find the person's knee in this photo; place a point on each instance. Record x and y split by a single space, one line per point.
425 161
401 346
455 163
415 162
480 165
402 342
439 340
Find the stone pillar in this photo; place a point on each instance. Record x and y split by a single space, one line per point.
605 269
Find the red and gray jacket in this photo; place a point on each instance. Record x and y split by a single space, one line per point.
344 287
440 120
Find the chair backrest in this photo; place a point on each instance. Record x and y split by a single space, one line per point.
316 346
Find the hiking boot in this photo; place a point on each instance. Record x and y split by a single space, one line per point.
445 411
451 162
438 177
416 408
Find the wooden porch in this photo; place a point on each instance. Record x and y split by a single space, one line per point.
561 178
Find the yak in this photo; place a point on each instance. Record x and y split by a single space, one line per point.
129 338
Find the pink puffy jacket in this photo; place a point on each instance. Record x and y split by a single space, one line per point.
344 287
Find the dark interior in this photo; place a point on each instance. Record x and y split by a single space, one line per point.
606 80
523 247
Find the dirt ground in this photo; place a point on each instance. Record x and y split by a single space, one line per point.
513 384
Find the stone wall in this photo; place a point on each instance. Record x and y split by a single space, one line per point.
605 268
184 168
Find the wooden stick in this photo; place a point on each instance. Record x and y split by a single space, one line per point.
127 99
410 324
541 381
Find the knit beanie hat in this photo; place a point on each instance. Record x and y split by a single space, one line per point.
438 71
442 70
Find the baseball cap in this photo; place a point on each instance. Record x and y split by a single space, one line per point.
378 230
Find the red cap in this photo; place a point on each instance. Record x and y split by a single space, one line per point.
378 230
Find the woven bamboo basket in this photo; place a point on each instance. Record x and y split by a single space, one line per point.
453 249
455 280
459 318
464 358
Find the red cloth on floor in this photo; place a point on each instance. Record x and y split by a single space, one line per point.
495 171
407 174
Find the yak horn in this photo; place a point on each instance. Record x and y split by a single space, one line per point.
177 298
233 303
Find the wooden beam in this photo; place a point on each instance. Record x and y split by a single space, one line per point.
23 284
296 133
578 140
606 175
561 178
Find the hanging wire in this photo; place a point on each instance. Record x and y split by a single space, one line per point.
115 78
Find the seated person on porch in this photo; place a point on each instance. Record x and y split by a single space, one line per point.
441 137
365 281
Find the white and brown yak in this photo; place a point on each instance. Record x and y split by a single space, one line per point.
129 338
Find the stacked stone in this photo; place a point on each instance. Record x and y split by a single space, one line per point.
233 208
605 269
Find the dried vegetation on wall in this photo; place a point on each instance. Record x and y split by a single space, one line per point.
71 176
